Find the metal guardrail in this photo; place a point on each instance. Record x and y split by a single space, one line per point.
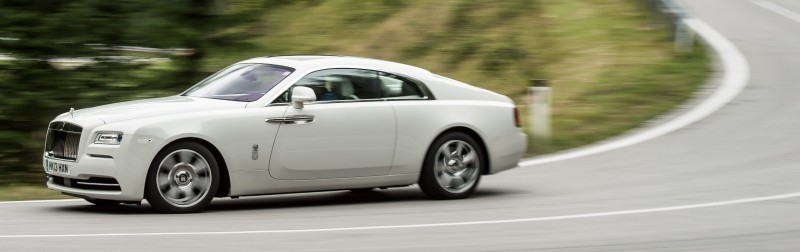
672 14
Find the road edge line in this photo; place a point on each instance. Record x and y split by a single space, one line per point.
429 225
37 201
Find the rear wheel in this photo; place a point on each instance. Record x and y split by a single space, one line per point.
183 178
452 168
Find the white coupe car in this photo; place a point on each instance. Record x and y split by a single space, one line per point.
287 124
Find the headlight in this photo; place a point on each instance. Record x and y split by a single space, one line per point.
108 138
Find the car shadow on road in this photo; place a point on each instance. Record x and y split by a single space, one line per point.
324 199
295 200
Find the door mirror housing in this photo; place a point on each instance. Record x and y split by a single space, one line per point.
301 95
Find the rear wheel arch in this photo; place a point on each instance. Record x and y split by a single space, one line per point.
486 163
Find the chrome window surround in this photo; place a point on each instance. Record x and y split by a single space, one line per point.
426 93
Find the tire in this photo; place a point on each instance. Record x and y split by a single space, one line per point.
183 178
103 203
452 167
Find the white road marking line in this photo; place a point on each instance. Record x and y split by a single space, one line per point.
779 10
446 224
38 201
737 74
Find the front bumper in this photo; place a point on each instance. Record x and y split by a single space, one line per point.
84 176
109 172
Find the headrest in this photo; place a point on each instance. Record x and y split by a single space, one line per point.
345 88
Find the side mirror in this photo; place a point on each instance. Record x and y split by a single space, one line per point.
301 95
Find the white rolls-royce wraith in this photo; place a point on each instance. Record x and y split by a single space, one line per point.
287 124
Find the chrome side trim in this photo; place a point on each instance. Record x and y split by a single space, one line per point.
297 119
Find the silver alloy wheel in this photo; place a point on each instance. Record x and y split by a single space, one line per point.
183 178
456 166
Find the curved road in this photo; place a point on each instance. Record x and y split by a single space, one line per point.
701 187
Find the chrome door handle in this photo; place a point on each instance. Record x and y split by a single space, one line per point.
296 119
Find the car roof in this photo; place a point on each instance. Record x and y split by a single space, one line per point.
306 62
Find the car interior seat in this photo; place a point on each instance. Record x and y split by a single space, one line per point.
345 90
390 87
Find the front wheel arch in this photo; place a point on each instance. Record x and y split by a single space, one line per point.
224 188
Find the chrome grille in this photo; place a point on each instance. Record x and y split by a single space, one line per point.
63 139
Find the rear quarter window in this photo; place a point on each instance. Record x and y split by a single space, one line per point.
398 87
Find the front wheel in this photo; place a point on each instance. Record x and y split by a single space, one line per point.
452 167
182 178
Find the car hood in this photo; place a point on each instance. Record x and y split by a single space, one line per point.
155 107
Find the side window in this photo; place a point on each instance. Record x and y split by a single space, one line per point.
393 86
339 85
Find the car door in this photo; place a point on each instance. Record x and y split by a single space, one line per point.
348 132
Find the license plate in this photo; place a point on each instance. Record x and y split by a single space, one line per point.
56 167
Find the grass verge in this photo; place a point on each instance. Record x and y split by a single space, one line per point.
29 192
611 71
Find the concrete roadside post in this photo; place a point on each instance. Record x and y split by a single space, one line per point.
540 101
684 37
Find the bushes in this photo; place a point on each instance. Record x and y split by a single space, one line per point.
37 32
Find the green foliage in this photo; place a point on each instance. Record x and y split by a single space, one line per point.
467 16
39 32
503 56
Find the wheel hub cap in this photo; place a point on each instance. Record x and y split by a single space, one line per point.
455 165
183 178
458 166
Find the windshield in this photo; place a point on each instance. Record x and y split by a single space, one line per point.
240 82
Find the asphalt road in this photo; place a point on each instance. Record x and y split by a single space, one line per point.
726 183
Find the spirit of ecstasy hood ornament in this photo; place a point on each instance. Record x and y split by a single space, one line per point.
72 112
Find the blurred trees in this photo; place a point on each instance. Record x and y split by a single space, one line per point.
36 33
